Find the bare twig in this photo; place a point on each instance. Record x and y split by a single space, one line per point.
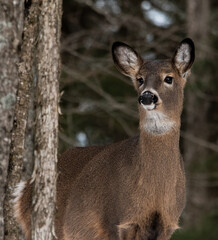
199 141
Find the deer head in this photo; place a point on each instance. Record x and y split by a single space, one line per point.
159 84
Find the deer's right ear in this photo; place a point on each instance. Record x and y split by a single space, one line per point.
184 56
126 59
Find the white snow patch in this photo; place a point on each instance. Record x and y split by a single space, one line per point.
17 195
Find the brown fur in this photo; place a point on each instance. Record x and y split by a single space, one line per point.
134 189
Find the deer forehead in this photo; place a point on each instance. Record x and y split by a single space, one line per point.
159 67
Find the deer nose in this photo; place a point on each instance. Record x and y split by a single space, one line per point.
148 98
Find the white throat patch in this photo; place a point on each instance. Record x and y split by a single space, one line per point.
157 123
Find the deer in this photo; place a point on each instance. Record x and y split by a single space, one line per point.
135 188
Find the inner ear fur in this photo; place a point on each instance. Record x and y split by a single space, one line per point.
184 56
126 59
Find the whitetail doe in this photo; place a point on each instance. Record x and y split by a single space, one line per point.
133 189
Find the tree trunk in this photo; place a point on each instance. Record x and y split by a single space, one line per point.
20 119
196 109
11 26
47 97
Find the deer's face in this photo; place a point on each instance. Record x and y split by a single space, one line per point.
159 84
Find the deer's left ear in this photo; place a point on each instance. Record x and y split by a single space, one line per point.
184 56
126 59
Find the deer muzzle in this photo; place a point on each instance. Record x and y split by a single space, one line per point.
147 98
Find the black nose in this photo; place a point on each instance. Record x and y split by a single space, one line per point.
148 98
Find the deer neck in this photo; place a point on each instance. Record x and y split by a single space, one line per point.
159 134
161 148
155 143
159 158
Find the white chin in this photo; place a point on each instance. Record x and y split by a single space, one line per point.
157 123
149 107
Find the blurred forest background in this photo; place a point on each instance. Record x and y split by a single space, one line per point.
99 105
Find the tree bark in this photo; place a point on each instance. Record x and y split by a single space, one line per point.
196 109
11 26
20 119
45 169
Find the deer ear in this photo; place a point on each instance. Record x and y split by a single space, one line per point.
126 59
184 56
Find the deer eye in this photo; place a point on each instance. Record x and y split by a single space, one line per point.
168 80
141 81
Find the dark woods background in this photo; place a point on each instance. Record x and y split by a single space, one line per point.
99 105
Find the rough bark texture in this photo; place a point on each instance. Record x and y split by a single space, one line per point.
45 174
11 26
28 157
196 116
20 119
